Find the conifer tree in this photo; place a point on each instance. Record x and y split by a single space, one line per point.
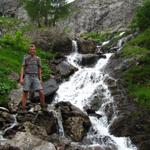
46 12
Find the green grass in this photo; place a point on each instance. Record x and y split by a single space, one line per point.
96 36
137 77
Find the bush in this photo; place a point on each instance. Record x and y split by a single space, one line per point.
142 19
97 36
17 41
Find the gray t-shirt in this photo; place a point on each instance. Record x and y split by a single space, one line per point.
31 64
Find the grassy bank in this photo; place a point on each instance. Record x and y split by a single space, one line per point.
137 77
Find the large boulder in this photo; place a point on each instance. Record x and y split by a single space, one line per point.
86 46
50 87
6 119
76 123
52 40
48 121
8 147
90 59
65 69
15 99
25 140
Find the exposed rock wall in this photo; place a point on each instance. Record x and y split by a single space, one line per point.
88 15
12 8
95 15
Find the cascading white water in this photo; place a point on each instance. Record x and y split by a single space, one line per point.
79 91
15 123
57 115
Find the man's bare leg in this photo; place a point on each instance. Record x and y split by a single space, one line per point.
24 100
42 98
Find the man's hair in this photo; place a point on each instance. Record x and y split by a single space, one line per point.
33 43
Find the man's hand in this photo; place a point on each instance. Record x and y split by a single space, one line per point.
21 81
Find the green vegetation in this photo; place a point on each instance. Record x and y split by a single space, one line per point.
96 36
103 36
142 19
137 77
46 12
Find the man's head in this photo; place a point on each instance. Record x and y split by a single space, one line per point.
32 49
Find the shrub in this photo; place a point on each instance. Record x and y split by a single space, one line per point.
17 41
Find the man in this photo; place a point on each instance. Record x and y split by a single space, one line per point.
31 76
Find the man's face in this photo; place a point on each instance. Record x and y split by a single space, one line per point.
32 49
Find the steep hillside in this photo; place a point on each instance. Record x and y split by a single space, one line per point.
93 15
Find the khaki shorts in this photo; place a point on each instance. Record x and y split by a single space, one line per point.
31 81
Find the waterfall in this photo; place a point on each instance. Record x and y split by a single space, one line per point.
79 90
57 114
12 125
15 123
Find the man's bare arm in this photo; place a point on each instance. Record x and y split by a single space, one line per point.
40 73
22 75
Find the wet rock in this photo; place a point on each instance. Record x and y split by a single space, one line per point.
23 117
11 131
6 119
74 146
15 99
119 126
75 122
65 69
50 87
4 109
38 131
58 59
48 121
63 44
44 119
86 46
109 111
91 112
8 147
25 140
90 59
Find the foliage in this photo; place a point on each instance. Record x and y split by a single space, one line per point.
6 85
97 36
142 19
137 77
16 41
46 12
9 23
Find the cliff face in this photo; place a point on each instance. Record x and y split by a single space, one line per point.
95 15
88 15
12 8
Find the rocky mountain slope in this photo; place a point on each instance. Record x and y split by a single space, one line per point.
97 15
